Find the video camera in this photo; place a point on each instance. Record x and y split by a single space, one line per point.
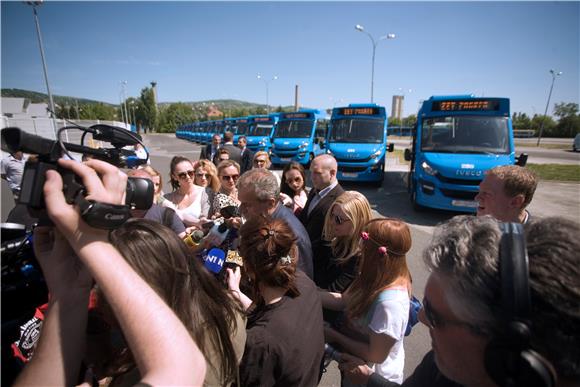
139 193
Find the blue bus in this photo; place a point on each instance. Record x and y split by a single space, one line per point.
299 136
456 139
240 127
357 138
260 131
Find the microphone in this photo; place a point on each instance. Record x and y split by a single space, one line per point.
214 260
217 234
194 239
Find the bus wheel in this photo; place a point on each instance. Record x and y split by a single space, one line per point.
379 183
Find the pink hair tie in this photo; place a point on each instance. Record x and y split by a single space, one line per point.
365 235
383 250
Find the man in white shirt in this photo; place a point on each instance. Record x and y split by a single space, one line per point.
12 169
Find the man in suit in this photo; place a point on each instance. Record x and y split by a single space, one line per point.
324 192
210 151
234 151
247 154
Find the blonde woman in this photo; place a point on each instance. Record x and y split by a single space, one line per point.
377 302
343 224
228 174
157 182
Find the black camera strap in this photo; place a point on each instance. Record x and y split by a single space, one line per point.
102 215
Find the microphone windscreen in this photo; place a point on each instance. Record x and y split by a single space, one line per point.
214 260
197 236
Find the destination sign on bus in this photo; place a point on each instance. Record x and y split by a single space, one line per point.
297 115
262 119
362 111
481 105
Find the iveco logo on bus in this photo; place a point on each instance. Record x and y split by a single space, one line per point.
468 172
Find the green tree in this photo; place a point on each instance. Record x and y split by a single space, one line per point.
521 121
569 122
173 116
148 114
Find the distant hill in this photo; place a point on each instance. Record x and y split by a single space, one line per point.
221 104
36 97
228 105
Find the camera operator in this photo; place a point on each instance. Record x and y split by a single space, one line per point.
481 334
69 260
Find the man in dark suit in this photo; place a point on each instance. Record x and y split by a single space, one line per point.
247 154
210 151
234 151
324 192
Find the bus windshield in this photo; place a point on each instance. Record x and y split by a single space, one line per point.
243 128
473 134
262 130
358 130
294 129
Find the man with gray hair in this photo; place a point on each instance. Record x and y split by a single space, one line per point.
475 317
259 193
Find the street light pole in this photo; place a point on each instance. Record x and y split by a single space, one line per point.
374 42
554 75
267 82
35 4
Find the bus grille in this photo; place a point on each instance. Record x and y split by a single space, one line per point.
352 160
351 169
450 180
455 194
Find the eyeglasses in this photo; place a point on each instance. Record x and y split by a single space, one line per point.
203 175
183 175
338 220
435 321
259 161
232 177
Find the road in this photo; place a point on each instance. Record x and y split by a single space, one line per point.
562 199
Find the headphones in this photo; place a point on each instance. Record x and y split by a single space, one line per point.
509 360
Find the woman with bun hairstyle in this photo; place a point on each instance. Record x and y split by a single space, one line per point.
285 336
377 302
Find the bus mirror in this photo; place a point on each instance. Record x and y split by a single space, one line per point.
522 159
391 147
408 154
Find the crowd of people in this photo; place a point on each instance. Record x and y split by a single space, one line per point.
501 301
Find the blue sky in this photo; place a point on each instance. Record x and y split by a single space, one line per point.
213 50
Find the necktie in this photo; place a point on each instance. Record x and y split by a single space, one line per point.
313 202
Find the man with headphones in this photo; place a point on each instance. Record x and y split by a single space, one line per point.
502 305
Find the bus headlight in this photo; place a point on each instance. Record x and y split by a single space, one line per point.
427 168
376 154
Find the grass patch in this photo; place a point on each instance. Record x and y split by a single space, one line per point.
398 154
542 145
558 172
